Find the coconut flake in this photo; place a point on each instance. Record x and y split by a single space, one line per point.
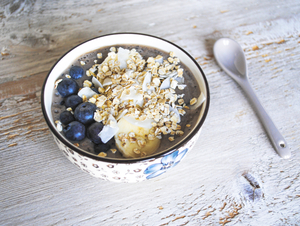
147 81
180 80
97 83
93 69
133 95
128 73
109 130
87 91
165 84
107 82
159 60
121 114
123 55
172 74
107 133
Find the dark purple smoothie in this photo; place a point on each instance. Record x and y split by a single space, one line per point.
191 90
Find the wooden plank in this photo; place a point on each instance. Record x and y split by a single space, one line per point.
232 176
25 86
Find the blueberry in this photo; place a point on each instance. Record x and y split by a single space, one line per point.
93 131
84 113
74 131
111 142
76 72
66 117
73 101
67 87
101 148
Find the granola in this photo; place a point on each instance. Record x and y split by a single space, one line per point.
145 88
142 91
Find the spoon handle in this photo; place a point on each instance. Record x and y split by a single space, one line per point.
276 138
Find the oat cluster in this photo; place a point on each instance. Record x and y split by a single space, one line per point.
143 89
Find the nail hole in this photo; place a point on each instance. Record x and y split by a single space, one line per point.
282 145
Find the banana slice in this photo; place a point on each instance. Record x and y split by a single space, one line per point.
132 140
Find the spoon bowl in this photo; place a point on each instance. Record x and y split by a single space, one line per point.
231 58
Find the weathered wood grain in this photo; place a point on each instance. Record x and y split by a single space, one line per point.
232 177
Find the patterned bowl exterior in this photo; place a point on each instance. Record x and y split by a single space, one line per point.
128 172
123 170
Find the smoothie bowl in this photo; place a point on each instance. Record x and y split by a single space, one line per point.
125 107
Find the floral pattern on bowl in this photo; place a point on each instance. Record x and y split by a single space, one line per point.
167 162
128 173
124 170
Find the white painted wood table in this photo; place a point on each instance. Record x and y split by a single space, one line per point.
233 176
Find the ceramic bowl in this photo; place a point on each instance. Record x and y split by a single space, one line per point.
124 170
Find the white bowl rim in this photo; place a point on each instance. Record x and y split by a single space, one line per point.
126 161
